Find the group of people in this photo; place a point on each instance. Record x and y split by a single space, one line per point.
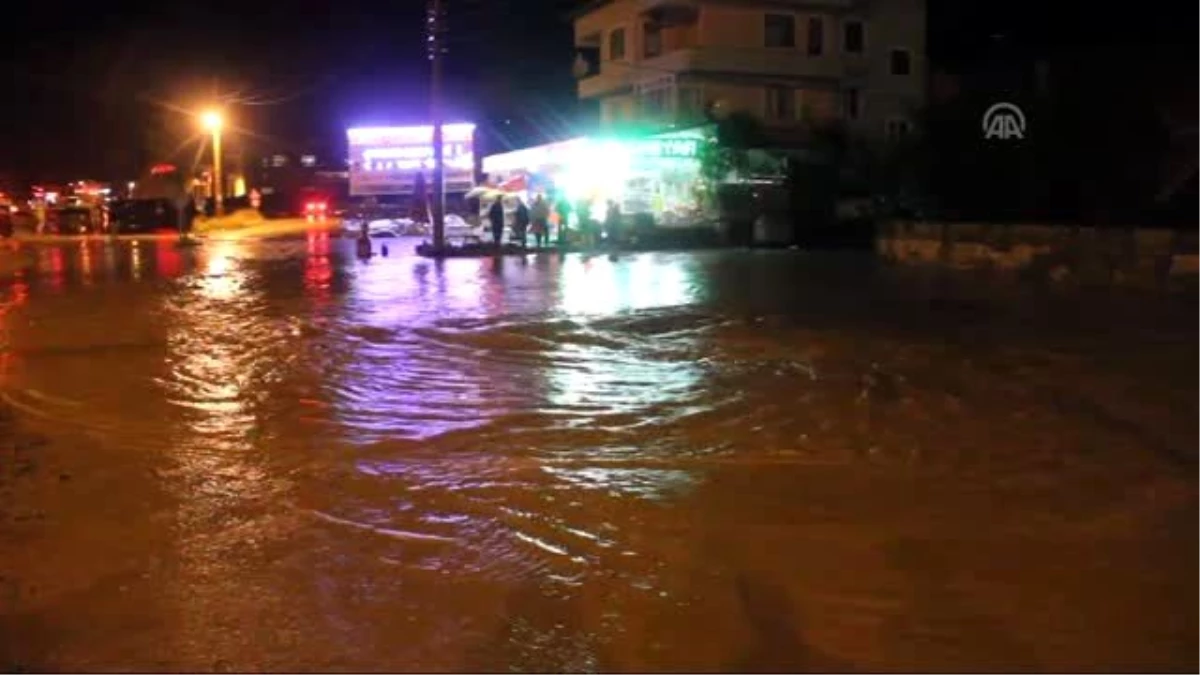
536 220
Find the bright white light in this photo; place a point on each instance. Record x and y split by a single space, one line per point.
212 120
460 132
533 158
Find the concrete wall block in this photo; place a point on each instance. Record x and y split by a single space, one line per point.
1020 255
918 251
1187 242
1153 242
1185 264
927 230
1038 234
1093 269
1006 259
1083 236
999 236
970 255
1088 256
968 232
1121 243
1140 271
1135 278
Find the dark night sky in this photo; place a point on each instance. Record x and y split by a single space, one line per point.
84 85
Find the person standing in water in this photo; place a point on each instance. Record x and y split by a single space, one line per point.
563 207
612 223
496 219
541 221
363 245
521 222
587 226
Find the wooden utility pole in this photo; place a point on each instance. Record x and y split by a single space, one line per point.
435 28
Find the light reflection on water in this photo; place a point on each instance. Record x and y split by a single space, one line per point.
586 463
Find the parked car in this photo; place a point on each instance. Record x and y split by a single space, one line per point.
456 227
77 220
148 215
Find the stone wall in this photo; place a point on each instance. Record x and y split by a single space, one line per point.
1147 258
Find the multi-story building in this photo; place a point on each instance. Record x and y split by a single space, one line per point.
281 175
793 64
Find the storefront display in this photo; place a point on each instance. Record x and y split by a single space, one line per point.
658 176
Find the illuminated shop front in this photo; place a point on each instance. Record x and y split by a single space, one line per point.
395 160
656 175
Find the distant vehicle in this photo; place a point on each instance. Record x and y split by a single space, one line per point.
385 227
306 202
136 216
77 219
316 208
456 227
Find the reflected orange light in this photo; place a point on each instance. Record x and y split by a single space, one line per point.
57 268
222 280
135 261
85 262
20 290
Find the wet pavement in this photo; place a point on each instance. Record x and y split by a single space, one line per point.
268 455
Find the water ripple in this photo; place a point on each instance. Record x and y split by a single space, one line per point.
563 460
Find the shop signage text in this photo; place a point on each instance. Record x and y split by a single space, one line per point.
669 148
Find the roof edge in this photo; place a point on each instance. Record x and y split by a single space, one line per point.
586 8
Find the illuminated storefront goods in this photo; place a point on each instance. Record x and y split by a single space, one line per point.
657 175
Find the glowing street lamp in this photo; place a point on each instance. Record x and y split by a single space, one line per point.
213 121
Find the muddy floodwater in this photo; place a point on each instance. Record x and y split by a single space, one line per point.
269 455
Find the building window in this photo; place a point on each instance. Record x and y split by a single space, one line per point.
690 103
901 62
897 129
616 45
816 36
655 103
853 38
779 30
781 103
652 44
279 161
612 111
308 160
851 104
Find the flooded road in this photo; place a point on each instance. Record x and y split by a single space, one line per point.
269 455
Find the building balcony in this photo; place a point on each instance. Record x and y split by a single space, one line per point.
821 5
616 77
613 78
670 12
744 61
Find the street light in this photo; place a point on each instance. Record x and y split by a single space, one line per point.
213 121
